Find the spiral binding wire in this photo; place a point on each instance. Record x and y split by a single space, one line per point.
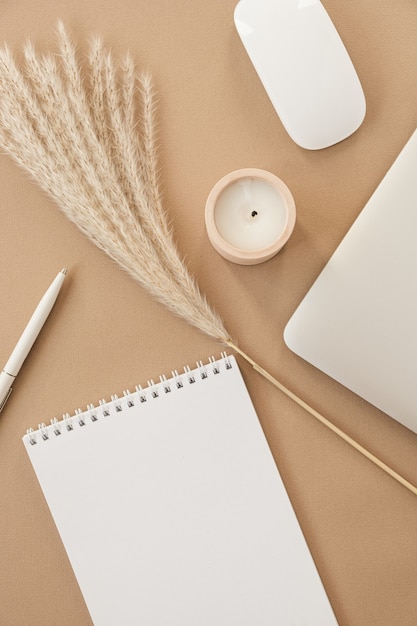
117 405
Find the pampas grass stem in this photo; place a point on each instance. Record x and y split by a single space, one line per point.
323 420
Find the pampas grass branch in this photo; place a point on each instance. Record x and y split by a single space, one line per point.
87 137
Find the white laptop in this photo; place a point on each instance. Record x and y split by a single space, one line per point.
358 322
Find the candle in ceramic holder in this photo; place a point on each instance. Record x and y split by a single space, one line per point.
250 215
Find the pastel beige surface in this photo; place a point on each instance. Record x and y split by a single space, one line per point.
106 333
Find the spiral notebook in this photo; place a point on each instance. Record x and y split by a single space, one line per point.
172 511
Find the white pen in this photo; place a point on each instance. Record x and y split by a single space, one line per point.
28 337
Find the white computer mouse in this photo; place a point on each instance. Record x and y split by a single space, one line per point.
304 67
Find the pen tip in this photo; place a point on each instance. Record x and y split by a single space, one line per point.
64 270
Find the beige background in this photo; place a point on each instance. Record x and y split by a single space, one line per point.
106 334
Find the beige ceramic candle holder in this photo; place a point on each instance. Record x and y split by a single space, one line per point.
230 251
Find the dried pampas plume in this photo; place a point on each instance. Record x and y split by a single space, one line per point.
79 143
78 138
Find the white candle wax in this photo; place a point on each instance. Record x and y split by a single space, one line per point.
250 214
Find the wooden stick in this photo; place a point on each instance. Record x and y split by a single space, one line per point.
340 433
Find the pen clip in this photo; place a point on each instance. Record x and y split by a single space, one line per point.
6 397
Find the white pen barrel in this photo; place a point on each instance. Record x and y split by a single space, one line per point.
34 326
6 382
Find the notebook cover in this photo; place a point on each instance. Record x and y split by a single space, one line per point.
172 510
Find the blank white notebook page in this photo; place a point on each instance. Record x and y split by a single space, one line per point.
172 511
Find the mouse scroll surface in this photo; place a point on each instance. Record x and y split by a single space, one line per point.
304 67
